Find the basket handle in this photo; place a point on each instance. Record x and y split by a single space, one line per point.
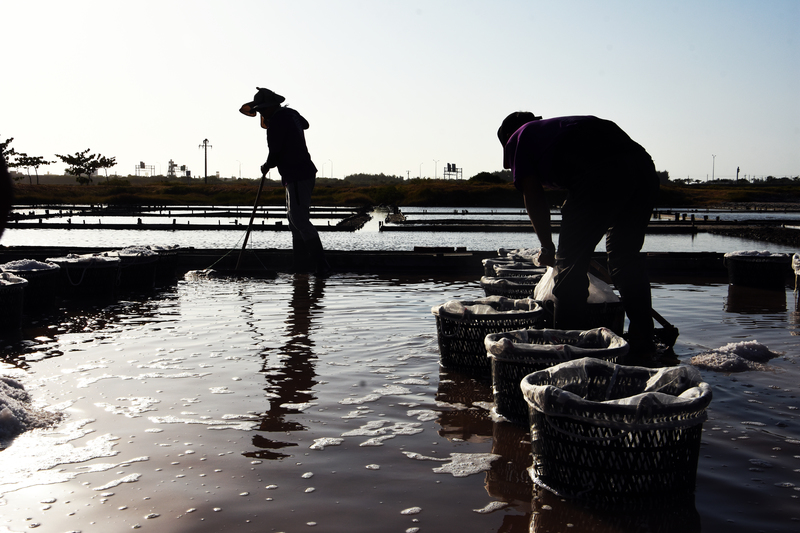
69 277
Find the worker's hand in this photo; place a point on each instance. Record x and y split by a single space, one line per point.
546 257
264 169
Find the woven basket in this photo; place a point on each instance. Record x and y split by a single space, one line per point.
515 354
517 288
461 335
86 277
166 269
769 271
616 436
490 263
137 268
12 289
40 293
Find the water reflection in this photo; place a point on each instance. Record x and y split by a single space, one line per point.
508 480
754 300
552 514
37 340
468 420
290 384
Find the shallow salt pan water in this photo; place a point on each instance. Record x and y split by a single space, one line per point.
296 403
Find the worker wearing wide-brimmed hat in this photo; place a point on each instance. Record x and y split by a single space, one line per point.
611 186
289 153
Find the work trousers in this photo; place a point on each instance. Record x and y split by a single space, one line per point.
617 201
298 210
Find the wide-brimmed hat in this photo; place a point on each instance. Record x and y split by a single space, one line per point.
264 98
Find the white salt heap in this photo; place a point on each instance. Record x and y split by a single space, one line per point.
755 253
27 265
8 279
735 357
17 414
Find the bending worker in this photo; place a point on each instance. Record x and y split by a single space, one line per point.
288 152
611 186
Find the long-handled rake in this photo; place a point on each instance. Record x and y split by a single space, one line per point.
252 217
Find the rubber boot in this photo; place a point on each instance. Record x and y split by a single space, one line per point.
300 254
321 266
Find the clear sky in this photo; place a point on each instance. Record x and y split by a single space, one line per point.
401 87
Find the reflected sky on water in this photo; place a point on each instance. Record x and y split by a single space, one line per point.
370 238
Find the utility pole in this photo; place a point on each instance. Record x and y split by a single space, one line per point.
713 161
205 146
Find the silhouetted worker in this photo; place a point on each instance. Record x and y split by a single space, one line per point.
5 194
612 188
288 152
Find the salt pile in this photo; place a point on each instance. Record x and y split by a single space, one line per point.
27 265
735 357
17 414
134 251
7 279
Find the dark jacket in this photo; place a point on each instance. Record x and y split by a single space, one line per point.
287 146
560 152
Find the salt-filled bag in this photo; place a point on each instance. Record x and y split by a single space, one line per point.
599 290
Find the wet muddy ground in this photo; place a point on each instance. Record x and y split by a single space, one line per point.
298 404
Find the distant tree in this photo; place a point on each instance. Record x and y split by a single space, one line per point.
663 176
5 148
106 163
27 161
79 164
9 154
371 179
502 176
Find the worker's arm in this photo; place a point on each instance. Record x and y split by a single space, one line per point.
539 214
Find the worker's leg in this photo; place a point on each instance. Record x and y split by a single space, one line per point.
623 245
584 220
298 211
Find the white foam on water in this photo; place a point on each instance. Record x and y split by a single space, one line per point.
392 390
490 507
376 441
131 478
138 406
460 464
34 457
212 424
419 457
411 381
320 444
359 401
371 428
299 406
423 415
356 414
381 432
